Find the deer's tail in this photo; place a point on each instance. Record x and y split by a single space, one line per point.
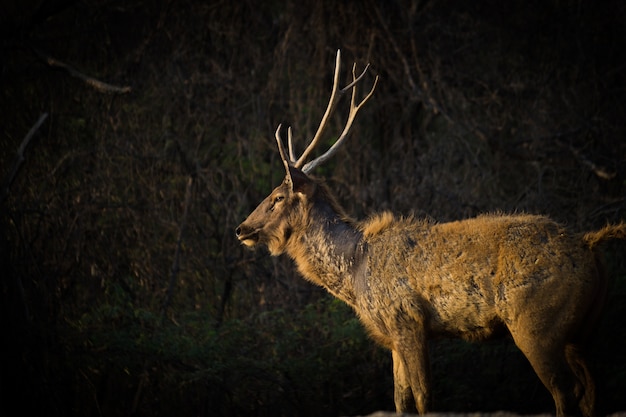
593 240
608 232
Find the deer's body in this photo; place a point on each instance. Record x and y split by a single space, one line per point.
409 280
474 278
467 278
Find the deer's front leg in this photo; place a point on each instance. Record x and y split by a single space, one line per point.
402 393
411 375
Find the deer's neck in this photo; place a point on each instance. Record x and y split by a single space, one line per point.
330 252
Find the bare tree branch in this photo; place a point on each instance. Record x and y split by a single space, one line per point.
100 86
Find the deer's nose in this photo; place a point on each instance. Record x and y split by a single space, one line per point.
238 231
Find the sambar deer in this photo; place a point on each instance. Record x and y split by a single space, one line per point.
409 279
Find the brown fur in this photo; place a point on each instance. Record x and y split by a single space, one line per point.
592 239
410 279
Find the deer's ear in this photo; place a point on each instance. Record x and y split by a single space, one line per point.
299 181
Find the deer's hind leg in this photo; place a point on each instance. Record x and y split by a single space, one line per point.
585 390
549 360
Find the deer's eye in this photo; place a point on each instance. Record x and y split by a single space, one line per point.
277 200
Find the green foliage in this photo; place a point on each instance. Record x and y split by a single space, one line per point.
308 362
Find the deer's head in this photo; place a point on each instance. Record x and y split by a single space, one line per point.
281 213
286 210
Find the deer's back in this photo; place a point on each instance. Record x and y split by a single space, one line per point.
472 278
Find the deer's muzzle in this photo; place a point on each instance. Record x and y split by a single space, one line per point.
247 235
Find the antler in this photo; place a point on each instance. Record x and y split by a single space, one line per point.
335 95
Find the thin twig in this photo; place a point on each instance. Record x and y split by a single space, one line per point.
176 264
100 86
600 171
19 159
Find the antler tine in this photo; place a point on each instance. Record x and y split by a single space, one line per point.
354 109
281 147
355 80
292 154
334 98
283 155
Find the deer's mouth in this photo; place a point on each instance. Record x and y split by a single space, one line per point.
247 237
250 241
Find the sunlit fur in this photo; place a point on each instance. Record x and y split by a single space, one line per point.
410 279
275 224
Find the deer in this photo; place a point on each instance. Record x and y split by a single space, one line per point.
409 279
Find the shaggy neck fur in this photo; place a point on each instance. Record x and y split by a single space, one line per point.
329 251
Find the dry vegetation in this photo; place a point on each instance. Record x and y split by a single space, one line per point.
124 290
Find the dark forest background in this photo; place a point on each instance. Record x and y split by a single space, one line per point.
124 290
